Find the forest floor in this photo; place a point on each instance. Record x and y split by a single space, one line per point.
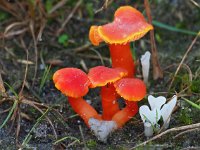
37 38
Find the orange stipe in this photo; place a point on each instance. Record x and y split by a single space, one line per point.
109 104
83 109
125 114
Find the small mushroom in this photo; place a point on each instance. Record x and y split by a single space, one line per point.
145 62
74 83
128 25
132 90
104 77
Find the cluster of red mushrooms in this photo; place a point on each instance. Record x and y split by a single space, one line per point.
119 81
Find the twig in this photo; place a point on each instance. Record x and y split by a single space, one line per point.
93 57
105 5
57 6
85 146
195 3
192 126
26 69
82 48
2 88
187 131
183 59
157 72
69 17
31 25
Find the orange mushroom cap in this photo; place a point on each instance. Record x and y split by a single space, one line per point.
129 25
72 82
100 75
131 89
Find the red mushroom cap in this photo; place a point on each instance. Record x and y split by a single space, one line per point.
100 75
72 82
129 25
131 89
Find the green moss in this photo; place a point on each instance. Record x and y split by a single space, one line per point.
185 116
91 144
195 87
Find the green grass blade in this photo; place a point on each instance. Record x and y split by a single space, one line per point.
192 103
12 90
9 114
171 28
44 78
29 136
64 138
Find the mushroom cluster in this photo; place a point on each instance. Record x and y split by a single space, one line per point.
119 81
74 83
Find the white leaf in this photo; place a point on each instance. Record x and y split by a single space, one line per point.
156 102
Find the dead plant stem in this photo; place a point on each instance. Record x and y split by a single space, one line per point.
187 127
183 59
157 72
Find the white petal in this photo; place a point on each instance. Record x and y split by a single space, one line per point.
143 110
145 61
156 102
168 108
149 116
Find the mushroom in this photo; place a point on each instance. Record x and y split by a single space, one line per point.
103 77
132 90
128 25
74 83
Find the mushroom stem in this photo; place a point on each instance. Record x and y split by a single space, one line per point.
83 109
122 57
126 113
109 104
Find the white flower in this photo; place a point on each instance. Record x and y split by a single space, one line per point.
145 61
156 102
158 110
151 116
167 109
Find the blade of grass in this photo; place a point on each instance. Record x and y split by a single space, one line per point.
12 90
64 138
9 114
29 136
13 107
192 103
44 78
172 28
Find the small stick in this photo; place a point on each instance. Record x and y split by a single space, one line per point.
105 5
183 59
57 6
187 131
157 72
2 88
85 146
69 17
82 48
192 126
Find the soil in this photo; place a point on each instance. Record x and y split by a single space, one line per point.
171 47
